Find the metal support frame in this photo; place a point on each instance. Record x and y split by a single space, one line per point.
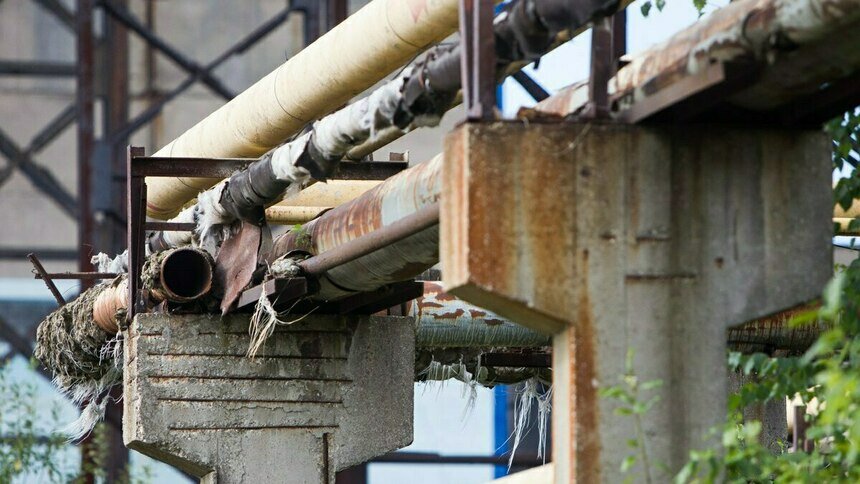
608 44
38 175
36 68
121 14
244 44
478 61
139 167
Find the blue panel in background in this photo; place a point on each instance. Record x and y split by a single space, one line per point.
500 426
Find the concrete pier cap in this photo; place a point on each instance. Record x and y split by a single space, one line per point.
324 394
651 240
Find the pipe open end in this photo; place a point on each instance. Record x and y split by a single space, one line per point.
186 274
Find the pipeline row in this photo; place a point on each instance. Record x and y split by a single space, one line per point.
418 97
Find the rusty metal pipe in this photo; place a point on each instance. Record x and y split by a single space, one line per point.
108 303
399 197
424 218
443 321
185 275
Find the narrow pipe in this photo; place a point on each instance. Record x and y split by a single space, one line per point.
185 275
373 241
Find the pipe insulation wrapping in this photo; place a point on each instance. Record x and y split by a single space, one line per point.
418 97
352 57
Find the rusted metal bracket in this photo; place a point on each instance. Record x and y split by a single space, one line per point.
691 95
478 59
373 302
49 277
284 293
608 44
76 275
42 274
279 292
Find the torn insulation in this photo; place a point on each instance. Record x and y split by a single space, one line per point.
84 359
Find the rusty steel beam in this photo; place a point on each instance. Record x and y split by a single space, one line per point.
39 176
36 68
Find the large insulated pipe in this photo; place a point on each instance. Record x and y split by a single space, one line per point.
176 275
401 196
353 56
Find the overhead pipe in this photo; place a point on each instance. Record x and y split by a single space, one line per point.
316 199
347 60
751 34
420 96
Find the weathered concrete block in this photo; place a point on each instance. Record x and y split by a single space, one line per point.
326 393
624 238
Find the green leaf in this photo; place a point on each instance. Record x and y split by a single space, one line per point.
627 463
645 8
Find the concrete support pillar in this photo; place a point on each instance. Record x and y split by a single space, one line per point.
623 238
324 394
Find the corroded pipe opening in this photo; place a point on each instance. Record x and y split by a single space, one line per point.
186 274
108 303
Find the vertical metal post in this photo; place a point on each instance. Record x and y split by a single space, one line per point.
85 48
116 105
619 38
478 59
111 230
84 97
336 12
601 69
